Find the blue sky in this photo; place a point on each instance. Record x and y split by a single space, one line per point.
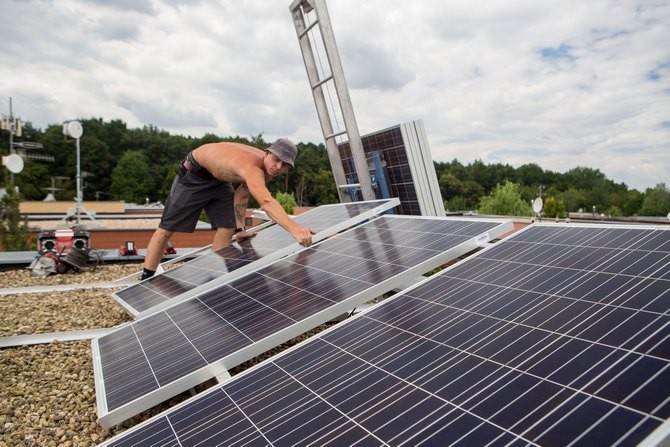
559 84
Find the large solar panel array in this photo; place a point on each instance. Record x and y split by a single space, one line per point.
159 356
556 336
239 258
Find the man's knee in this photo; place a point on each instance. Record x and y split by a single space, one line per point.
162 236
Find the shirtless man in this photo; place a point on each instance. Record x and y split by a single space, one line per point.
204 181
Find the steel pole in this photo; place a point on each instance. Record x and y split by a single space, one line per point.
78 204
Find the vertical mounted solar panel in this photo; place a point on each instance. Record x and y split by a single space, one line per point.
149 361
408 167
556 336
238 258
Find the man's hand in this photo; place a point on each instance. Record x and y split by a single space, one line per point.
303 235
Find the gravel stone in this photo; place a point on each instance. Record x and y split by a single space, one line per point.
47 391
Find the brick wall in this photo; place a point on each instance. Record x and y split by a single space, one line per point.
105 239
109 239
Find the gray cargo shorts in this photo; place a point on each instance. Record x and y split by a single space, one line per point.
189 195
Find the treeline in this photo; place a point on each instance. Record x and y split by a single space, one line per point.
581 188
138 165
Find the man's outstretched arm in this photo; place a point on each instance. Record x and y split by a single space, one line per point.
273 209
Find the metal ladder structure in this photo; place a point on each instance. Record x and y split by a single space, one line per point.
316 12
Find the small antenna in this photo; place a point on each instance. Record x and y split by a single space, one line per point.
75 130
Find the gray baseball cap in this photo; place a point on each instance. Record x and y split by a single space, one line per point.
285 150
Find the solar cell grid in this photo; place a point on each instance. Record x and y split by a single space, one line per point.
463 359
390 143
238 258
185 344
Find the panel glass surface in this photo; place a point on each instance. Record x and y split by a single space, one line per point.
390 144
155 351
502 349
211 266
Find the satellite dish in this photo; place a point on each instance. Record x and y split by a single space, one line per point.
537 205
14 163
74 129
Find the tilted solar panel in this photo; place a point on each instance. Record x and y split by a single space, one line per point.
556 336
403 163
239 258
396 151
157 357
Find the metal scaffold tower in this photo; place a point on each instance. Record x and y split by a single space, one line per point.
312 24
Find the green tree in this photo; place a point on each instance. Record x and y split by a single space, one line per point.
574 199
530 175
584 178
632 202
96 166
131 178
209 138
472 193
505 201
480 174
656 201
463 186
170 174
614 211
450 186
33 180
311 179
457 203
322 189
287 201
554 208
500 173
13 227
457 169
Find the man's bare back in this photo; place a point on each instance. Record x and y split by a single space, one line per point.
230 162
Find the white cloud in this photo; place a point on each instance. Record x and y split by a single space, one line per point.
558 84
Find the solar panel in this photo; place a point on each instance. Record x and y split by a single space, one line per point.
159 356
238 258
407 164
558 335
